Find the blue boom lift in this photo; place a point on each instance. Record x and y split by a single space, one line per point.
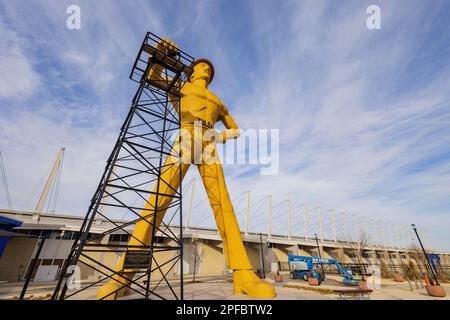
302 267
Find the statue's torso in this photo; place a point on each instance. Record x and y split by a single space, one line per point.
199 103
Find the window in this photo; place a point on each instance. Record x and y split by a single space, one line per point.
47 262
39 233
158 239
118 238
46 233
393 256
75 235
35 233
271 245
366 255
404 256
69 235
114 238
380 256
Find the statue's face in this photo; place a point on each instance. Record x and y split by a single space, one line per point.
202 70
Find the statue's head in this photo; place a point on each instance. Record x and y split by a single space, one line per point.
203 69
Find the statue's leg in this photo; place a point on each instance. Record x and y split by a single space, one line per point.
142 234
244 278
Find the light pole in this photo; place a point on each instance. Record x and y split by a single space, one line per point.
262 256
247 213
305 211
289 219
269 232
425 254
320 223
320 256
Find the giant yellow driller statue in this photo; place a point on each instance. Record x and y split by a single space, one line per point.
199 105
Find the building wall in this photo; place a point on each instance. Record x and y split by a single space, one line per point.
280 253
15 258
337 254
212 259
302 252
109 259
165 259
19 251
325 253
254 253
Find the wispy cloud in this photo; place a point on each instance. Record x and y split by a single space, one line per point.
363 115
18 79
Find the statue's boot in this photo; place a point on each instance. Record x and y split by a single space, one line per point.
246 281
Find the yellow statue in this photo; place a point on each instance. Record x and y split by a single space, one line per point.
199 105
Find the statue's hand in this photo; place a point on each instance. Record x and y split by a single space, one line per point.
227 135
221 137
167 46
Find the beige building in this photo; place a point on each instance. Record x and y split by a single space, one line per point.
203 250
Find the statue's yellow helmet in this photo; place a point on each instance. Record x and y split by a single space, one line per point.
211 66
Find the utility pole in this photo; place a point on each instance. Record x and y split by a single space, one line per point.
5 182
397 240
305 209
320 256
403 236
269 231
345 226
391 235
375 232
289 219
333 222
366 229
247 214
262 256
191 198
320 223
425 254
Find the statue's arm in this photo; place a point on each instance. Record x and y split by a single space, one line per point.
155 73
232 130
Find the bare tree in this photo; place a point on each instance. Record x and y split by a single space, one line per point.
341 256
385 271
196 256
358 246
421 262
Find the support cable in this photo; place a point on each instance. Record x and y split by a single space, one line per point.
5 182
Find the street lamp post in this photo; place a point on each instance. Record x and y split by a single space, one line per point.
320 256
425 254
262 256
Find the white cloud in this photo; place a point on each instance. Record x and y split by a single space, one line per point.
355 135
18 79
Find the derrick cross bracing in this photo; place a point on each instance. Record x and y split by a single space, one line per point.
133 170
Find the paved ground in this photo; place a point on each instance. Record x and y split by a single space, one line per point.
387 289
220 288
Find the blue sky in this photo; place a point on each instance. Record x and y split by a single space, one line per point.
364 115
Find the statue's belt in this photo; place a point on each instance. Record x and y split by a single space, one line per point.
205 123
